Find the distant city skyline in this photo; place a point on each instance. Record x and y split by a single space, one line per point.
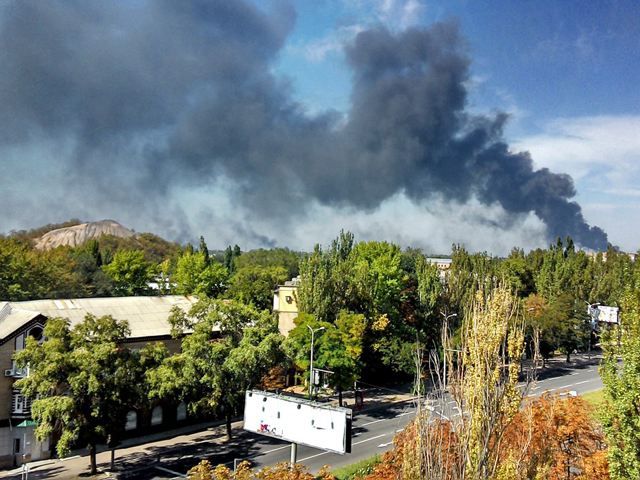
248 123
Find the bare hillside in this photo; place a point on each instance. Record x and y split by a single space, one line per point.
79 234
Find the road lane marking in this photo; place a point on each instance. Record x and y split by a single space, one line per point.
166 470
276 449
372 438
375 421
356 443
383 445
312 456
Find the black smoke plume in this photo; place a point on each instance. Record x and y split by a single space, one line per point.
158 94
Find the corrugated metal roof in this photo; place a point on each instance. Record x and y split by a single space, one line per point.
147 316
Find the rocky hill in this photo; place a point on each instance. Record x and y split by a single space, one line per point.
79 234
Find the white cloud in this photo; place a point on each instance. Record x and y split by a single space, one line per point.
606 146
620 220
560 48
394 14
400 14
433 226
317 50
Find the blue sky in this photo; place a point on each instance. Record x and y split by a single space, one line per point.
567 72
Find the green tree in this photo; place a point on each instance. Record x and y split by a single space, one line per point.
468 274
230 256
274 257
327 280
378 278
516 274
82 381
27 274
230 348
204 250
194 276
88 267
338 348
398 295
130 273
430 286
620 417
610 274
254 285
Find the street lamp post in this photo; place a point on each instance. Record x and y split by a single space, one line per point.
311 362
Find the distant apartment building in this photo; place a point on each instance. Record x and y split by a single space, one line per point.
593 254
442 264
148 322
285 304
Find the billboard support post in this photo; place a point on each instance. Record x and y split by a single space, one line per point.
294 454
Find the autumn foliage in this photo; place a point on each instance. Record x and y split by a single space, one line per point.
551 438
556 439
282 471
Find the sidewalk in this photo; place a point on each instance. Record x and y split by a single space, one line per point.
131 454
189 443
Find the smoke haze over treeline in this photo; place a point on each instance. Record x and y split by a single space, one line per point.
149 110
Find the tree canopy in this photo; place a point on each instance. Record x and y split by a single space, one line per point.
82 381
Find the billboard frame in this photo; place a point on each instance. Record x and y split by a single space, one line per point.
313 410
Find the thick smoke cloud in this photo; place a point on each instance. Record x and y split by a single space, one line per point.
162 94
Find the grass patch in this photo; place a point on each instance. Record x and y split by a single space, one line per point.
594 398
357 470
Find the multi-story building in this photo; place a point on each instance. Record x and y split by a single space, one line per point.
148 322
442 264
285 304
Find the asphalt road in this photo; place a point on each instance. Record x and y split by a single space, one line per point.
373 432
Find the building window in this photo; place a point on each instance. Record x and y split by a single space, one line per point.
156 415
132 421
16 445
181 412
20 405
36 332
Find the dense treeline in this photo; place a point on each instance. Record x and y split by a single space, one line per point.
386 301
382 298
142 265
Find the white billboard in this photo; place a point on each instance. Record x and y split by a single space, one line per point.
298 421
607 314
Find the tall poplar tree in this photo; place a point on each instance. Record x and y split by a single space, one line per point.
621 415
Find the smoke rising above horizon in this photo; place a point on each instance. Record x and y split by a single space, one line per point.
147 98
